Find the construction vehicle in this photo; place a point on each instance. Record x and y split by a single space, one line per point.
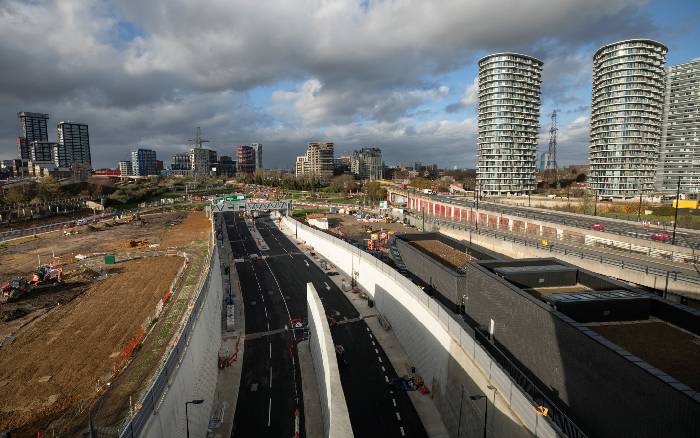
14 289
47 274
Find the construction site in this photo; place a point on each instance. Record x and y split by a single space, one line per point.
368 231
87 313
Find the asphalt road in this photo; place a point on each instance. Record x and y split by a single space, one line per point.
274 290
690 240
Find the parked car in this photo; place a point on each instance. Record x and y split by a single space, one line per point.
660 237
598 227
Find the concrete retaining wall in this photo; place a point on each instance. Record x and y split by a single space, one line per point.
515 250
441 348
336 420
196 374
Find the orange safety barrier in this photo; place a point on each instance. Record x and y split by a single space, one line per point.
167 296
133 344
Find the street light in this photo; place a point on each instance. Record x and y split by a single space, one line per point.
187 421
675 219
486 403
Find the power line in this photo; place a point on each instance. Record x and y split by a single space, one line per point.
552 152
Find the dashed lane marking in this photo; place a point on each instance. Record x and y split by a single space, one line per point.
393 400
398 416
386 378
402 432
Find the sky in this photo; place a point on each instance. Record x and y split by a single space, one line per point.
399 75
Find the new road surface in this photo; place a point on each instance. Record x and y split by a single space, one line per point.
273 283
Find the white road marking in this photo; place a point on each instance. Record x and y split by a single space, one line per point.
383 369
327 287
270 377
368 330
393 400
270 350
376 351
373 343
269 412
402 432
307 263
380 359
398 417
386 378
268 326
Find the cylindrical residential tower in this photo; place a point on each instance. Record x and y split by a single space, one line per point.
626 117
509 112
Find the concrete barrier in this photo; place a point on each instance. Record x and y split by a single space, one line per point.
336 420
442 348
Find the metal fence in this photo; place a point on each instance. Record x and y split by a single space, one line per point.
646 269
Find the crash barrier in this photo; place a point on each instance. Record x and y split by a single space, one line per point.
537 243
334 410
436 342
188 370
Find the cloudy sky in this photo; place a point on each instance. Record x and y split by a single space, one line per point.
395 74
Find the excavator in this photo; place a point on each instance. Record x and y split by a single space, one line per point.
14 289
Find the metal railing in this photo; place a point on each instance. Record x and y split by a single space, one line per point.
646 269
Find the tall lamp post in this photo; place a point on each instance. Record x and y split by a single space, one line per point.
187 420
595 205
486 404
675 219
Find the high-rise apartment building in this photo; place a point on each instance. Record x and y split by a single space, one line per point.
41 152
509 112
73 141
201 160
181 164
125 168
258 156
626 117
245 156
33 127
367 163
318 161
679 156
143 162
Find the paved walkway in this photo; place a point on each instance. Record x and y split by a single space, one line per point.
229 378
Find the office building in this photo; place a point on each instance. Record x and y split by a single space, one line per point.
679 156
626 117
125 168
367 163
509 111
258 156
73 141
318 162
143 162
33 127
245 156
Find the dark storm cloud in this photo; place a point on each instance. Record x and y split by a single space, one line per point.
362 69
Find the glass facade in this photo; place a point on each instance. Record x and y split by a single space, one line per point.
626 117
509 112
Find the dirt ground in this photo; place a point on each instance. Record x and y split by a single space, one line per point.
21 258
79 328
84 338
445 253
667 347
349 227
